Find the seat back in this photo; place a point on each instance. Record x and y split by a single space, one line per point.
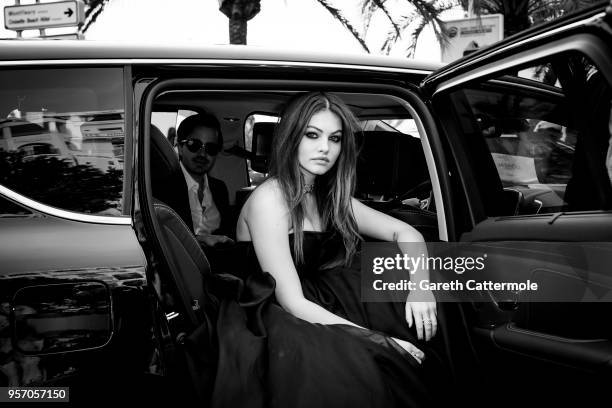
187 263
389 164
167 180
263 133
194 364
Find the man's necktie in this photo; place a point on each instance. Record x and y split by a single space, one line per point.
201 191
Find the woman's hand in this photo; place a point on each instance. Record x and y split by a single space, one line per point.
421 310
411 348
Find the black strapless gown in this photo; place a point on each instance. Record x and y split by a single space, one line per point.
269 358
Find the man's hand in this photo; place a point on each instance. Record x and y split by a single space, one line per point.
213 240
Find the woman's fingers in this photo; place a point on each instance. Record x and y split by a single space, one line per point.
418 322
409 314
431 326
431 322
411 348
417 353
424 318
434 323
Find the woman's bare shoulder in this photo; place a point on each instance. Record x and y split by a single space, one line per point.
265 206
266 197
268 193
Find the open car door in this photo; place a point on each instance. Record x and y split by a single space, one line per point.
528 129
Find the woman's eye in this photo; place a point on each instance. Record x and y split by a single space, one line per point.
311 135
335 139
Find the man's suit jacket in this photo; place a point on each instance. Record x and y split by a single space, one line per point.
220 196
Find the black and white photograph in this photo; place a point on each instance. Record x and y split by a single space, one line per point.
306 203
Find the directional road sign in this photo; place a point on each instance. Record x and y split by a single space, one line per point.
44 15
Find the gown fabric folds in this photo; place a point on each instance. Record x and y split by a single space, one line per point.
269 358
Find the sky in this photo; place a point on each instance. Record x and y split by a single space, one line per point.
282 24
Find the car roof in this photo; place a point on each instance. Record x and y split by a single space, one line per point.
50 50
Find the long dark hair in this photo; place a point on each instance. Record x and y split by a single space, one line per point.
333 190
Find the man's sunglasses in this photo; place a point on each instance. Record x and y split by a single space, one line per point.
195 145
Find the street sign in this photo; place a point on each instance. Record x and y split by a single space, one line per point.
70 36
469 34
44 15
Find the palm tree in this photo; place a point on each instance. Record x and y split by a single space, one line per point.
522 14
413 15
239 13
93 8
337 14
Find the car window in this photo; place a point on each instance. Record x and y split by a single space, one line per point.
168 121
62 136
402 125
545 129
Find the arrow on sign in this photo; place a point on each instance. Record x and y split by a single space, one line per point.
69 12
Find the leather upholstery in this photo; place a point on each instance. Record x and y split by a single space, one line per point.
263 133
389 163
167 181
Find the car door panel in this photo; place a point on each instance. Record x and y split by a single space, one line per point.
65 251
558 343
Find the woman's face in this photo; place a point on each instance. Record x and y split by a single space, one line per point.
320 145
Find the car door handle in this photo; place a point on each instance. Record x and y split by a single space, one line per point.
584 353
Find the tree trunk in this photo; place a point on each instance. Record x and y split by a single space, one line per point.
237 30
239 12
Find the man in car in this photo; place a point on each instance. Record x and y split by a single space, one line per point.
199 141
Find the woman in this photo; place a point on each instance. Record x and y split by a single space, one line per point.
318 344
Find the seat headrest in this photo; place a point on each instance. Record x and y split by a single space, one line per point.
263 133
167 181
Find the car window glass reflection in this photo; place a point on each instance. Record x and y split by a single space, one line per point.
546 127
62 137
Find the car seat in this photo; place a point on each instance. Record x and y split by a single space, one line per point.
392 166
167 180
263 133
186 281
389 164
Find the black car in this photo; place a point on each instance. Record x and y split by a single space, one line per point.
99 292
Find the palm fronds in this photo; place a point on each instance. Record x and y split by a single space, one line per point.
340 17
93 8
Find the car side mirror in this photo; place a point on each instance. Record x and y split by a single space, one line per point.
57 318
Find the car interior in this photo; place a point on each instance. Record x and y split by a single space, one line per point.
398 185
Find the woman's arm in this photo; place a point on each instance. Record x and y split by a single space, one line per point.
420 304
267 219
